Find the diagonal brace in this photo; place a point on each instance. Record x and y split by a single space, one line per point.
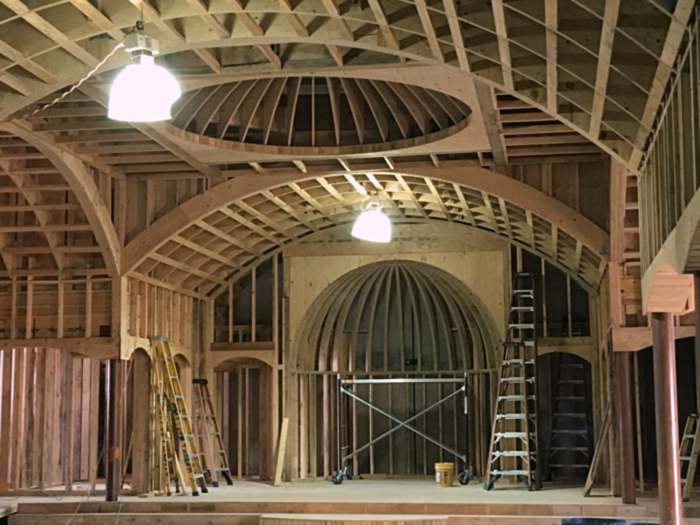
403 424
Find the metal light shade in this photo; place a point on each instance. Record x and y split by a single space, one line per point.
143 92
372 225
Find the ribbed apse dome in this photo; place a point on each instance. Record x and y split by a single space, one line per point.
376 317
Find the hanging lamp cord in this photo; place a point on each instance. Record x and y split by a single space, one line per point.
80 82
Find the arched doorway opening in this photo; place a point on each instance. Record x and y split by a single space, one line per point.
566 416
244 388
391 319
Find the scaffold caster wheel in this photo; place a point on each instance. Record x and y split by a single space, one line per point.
465 477
337 478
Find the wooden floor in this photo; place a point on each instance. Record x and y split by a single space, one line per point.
361 502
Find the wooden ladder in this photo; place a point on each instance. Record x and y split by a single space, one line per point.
514 449
689 449
209 434
174 418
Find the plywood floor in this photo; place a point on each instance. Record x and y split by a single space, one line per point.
399 499
417 491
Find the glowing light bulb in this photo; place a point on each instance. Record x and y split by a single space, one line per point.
143 92
372 225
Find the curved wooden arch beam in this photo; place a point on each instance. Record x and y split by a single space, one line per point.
589 238
83 186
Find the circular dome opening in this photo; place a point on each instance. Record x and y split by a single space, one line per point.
320 113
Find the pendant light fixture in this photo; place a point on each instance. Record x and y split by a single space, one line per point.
372 225
143 91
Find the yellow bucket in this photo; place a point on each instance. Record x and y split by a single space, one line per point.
444 474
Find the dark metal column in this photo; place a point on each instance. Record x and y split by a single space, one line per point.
626 428
696 277
665 395
113 419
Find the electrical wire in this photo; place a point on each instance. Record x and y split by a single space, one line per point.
80 82
77 85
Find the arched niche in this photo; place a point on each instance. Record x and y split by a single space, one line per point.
565 411
244 392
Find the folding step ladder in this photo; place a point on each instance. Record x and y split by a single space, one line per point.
210 439
514 438
174 409
689 449
569 448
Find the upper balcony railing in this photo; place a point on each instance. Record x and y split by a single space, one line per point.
669 174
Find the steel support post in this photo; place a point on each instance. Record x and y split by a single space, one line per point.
665 396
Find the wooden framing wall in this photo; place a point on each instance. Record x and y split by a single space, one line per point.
157 310
50 413
69 313
583 184
148 200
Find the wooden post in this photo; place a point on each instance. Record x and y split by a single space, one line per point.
239 424
665 397
69 422
94 421
280 453
113 431
141 472
638 414
625 428
6 419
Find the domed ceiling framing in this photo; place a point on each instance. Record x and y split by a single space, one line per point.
319 115
599 66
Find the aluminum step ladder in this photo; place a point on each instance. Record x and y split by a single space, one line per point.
514 437
689 449
211 442
569 444
180 427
